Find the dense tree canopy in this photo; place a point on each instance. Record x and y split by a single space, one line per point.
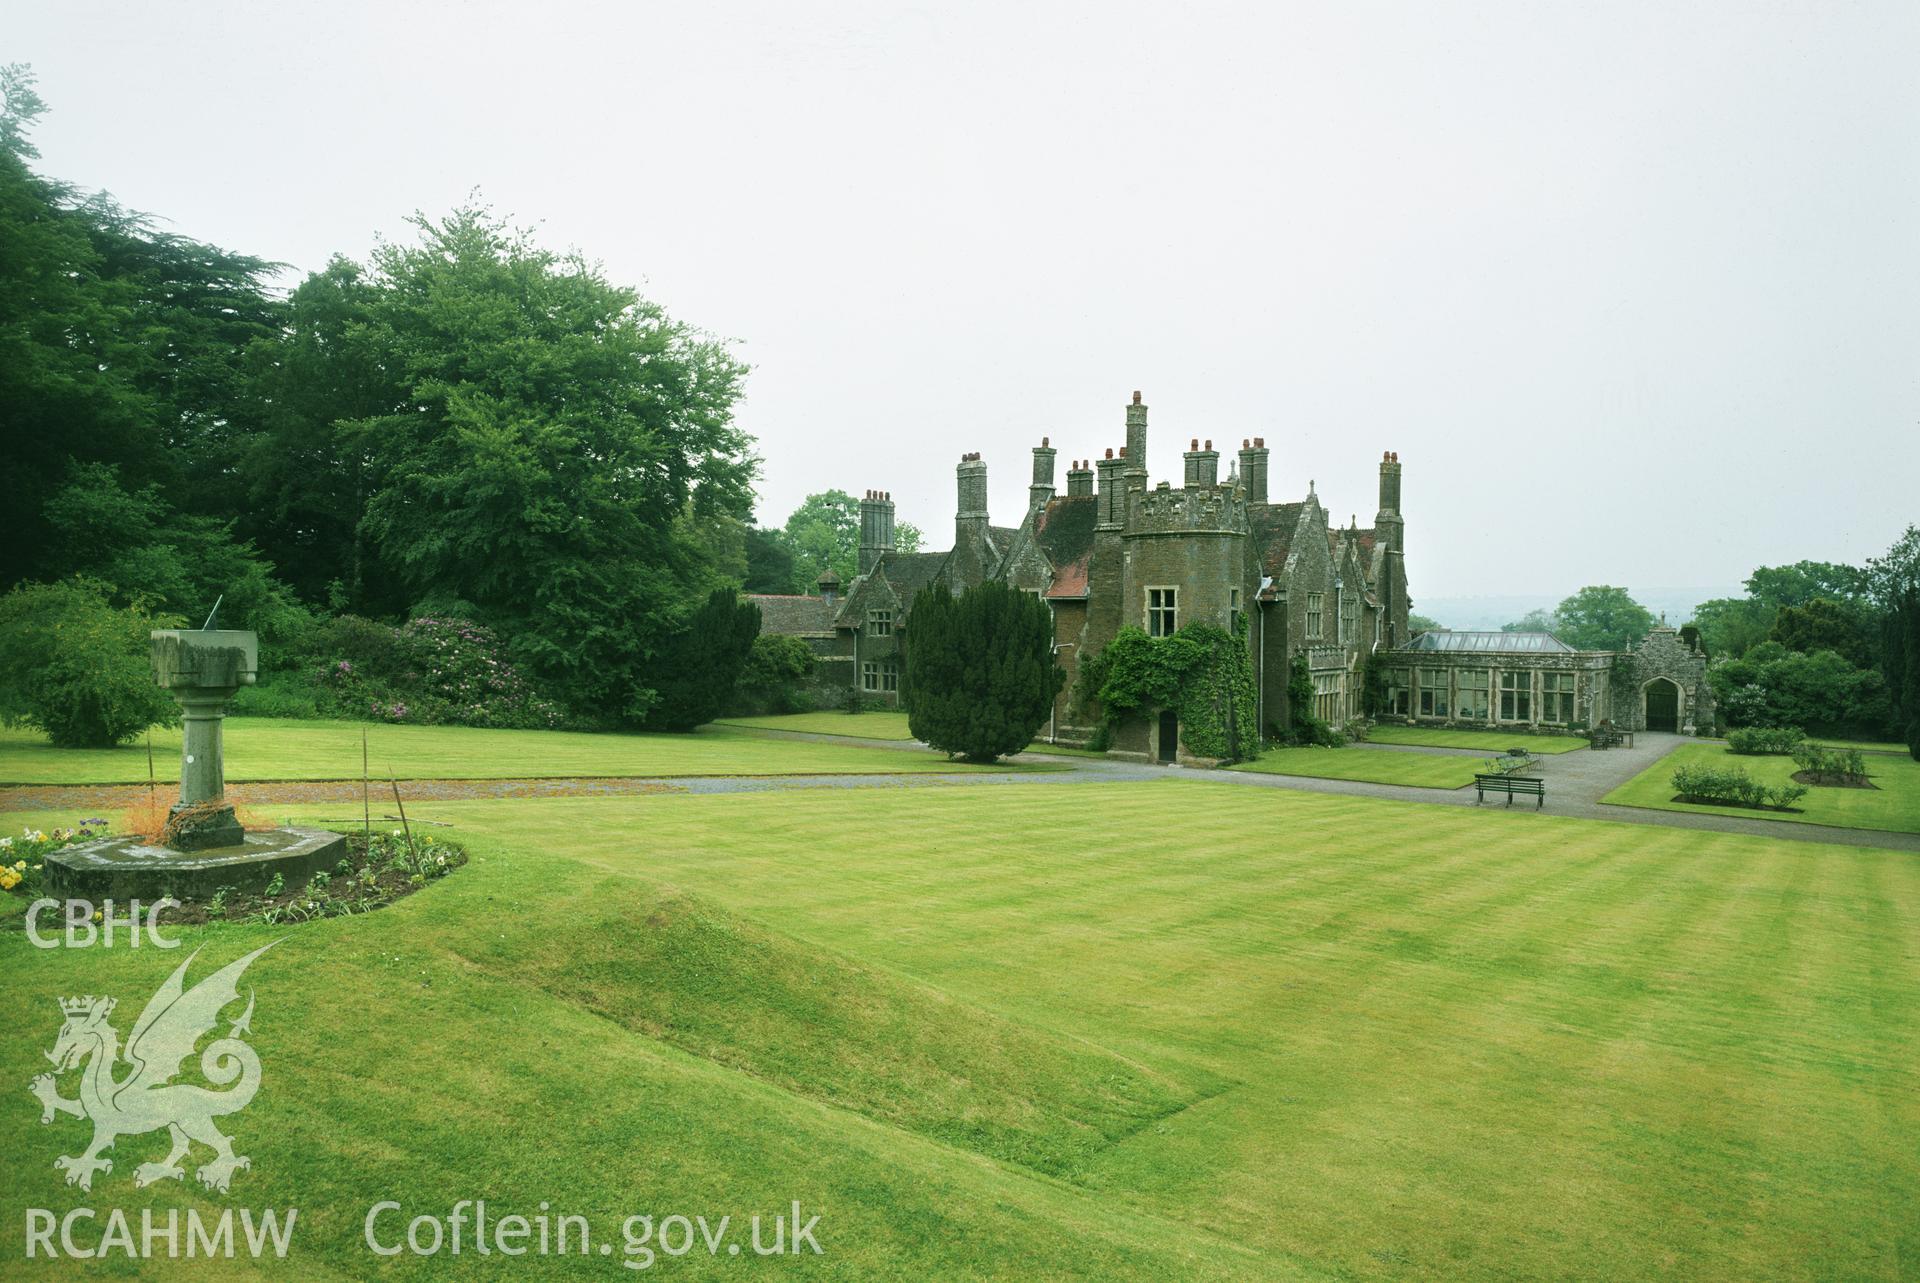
466 425
822 534
1539 620
1601 617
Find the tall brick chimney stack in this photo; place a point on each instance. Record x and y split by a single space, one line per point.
1390 482
1388 521
1136 451
1080 479
1041 491
1111 507
1253 469
876 528
970 515
1203 465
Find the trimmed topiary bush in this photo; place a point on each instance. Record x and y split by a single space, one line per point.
980 677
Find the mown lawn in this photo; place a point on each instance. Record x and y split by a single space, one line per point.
866 726
259 748
1287 1036
1375 766
1486 741
1893 805
1865 746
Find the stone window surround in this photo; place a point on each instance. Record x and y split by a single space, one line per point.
879 623
1316 616
1162 611
1516 695
879 677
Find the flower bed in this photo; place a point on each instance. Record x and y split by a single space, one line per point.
1731 786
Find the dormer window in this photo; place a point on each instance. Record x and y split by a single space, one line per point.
879 623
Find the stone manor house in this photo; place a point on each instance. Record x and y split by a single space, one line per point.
1117 549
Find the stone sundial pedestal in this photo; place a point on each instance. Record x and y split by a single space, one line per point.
204 848
203 671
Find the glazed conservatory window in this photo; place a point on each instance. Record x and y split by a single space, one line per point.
1473 693
1163 611
1433 692
1556 698
1398 695
1516 697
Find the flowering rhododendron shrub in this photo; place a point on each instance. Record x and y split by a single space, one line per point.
438 671
461 668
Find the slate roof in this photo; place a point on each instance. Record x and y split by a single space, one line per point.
1064 532
1442 639
793 616
909 572
1273 529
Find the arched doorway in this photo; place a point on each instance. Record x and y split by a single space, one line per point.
1663 705
1169 736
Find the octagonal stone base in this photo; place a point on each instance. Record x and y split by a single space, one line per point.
126 868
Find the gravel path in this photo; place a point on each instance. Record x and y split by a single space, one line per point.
1576 782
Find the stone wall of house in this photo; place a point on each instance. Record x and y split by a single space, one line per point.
1664 655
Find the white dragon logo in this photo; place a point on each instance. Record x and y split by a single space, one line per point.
143 1099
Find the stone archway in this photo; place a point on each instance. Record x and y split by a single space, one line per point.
1660 705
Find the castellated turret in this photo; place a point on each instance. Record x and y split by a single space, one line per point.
1166 511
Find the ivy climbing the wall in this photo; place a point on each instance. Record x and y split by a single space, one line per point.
1203 673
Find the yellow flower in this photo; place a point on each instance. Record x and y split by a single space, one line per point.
20 864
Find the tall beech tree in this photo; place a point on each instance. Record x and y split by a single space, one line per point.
550 431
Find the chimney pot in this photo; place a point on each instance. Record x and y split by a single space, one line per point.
1246 444
1109 452
1136 398
1259 443
1123 452
1043 441
1194 444
1209 443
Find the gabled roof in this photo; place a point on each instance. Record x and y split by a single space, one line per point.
1274 528
1442 639
909 572
792 615
1064 532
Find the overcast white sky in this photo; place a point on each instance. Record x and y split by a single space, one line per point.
1633 289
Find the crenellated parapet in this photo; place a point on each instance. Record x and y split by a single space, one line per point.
1204 510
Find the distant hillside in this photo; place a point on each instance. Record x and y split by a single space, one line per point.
1492 612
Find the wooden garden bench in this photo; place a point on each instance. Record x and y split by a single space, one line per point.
1524 785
